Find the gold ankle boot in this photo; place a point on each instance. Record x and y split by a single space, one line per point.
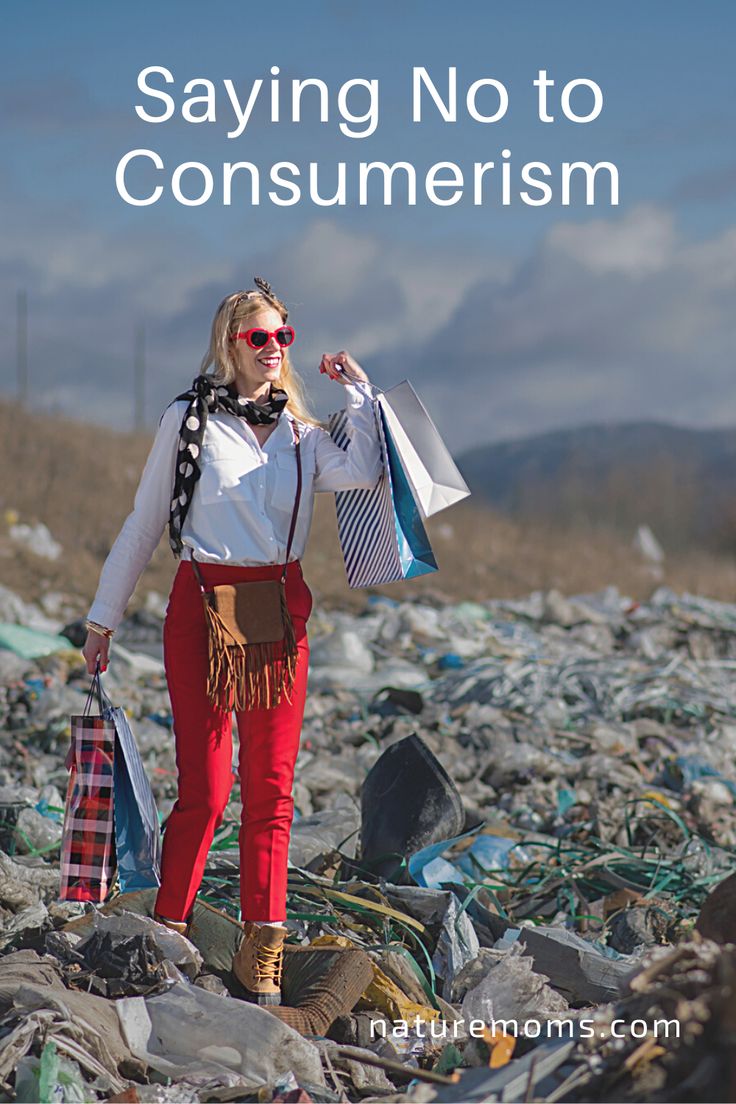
258 962
180 926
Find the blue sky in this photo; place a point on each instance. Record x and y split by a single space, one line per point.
551 316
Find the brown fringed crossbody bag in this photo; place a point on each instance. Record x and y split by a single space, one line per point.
252 646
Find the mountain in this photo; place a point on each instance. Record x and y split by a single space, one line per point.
678 481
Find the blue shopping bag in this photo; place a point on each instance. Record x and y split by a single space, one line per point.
380 530
137 828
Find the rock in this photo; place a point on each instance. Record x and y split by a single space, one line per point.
717 918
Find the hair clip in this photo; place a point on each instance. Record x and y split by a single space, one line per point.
264 289
264 286
241 298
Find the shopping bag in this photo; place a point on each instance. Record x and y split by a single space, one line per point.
137 830
380 529
430 470
129 814
88 834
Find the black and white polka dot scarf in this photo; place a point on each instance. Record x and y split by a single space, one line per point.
205 397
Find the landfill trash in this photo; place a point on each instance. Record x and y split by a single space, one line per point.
235 1042
560 849
173 946
31 643
50 1077
17 612
37 832
384 995
324 833
509 986
577 968
36 537
408 801
36 1007
646 543
393 700
320 981
717 917
456 942
128 967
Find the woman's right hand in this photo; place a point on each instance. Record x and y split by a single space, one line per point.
96 645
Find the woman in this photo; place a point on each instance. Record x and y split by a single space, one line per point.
222 473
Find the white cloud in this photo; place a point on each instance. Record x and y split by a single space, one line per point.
578 334
642 242
375 295
609 319
70 258
89 289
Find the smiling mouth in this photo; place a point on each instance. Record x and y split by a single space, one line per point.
270 362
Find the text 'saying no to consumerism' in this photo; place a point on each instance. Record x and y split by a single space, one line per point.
142 177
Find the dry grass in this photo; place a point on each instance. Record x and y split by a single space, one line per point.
80 481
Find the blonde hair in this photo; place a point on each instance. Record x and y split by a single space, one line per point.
232 311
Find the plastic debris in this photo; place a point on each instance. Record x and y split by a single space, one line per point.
197 1036
647 544
36 537
577 968
506 985
50 1077
507 814
31 643
408 801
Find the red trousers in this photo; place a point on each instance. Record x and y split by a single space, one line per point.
269 742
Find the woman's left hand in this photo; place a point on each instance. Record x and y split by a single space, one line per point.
351 372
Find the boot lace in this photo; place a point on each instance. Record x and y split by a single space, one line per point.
269 962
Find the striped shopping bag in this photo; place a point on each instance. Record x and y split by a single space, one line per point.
381 533
88 835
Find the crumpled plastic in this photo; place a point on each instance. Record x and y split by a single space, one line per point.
195 1036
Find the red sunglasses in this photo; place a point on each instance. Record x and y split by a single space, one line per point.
259 337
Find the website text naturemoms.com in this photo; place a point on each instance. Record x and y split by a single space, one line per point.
531 1029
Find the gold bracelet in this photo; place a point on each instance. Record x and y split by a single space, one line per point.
101 629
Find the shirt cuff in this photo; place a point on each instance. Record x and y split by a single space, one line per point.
357 393
103 614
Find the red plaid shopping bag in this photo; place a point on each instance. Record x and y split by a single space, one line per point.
88 837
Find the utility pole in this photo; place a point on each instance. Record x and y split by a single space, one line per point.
140 378
22 346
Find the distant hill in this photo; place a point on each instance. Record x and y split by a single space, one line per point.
681 482
80 480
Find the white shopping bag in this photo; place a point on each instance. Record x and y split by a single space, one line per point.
433 476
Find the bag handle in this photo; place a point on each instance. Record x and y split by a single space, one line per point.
96 684
295 511
366 383
103 702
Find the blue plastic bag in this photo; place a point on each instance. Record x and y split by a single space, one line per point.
137 828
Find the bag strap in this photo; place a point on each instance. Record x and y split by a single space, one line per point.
367 383
295 511
95 685
103 700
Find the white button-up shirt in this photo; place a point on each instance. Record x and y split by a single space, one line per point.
242 504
